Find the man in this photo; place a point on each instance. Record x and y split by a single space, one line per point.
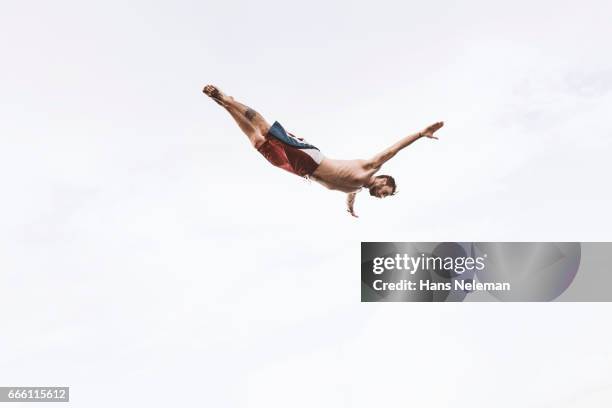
295 155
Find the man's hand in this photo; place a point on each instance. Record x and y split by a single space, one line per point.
431 129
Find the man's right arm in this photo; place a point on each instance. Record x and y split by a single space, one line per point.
381 158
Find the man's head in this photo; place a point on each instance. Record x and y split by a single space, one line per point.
383 186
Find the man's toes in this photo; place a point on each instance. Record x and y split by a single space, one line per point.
211 90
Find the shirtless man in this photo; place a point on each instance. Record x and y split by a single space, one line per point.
296 156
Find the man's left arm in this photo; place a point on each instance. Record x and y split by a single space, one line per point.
350 202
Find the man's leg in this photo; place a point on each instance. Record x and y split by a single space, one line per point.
251 122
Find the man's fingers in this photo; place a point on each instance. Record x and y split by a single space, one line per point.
431 129
435 126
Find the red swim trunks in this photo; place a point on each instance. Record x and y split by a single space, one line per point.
290 153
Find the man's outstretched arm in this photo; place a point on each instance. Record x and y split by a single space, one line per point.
381 158
350 202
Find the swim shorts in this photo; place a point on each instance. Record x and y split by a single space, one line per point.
290 153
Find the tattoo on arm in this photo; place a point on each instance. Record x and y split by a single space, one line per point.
250 114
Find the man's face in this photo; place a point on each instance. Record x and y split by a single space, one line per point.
383 191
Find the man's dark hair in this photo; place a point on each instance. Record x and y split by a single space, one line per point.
389 181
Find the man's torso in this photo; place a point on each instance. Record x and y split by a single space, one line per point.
343 175
296 156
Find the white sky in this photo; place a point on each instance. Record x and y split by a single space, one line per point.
148 250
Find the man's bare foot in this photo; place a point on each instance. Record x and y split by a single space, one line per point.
431 129
215 94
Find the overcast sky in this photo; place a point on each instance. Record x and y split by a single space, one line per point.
150 256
